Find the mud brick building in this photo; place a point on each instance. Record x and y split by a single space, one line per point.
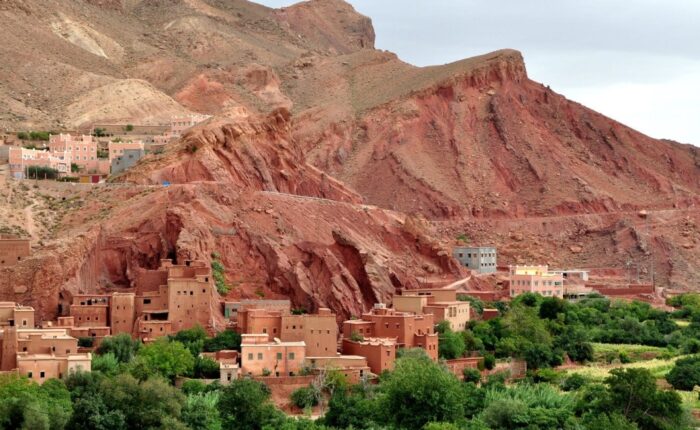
13 250
37 353
439 302
383 330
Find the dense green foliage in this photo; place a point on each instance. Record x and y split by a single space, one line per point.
34 135
132 385
685 374
218 271
41 172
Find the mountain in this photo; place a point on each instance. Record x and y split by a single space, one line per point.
336 171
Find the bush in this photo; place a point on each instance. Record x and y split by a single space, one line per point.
355 336
489 361
304 397
205 367
685 374
573 382
471 375
41 172
546 375
218 272
227 339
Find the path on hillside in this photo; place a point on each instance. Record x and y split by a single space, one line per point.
29 225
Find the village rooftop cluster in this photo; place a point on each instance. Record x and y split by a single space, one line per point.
276 342
93 154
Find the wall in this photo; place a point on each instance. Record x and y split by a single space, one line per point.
13 250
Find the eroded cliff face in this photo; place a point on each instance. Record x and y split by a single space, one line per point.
282 228
487 141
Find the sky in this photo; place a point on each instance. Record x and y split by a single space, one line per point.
637 61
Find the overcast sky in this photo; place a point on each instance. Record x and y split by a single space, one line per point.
637 61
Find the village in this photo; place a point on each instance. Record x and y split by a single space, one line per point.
285 347
88 155
280 345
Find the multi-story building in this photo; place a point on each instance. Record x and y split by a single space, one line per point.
380 353
126 160
13 249
171 298
382 327
262 357
119 148
482 258
184 301
319 331
535 279
37 353
439 302
82 150
21 159
16 315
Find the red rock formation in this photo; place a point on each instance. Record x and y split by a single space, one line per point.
282 228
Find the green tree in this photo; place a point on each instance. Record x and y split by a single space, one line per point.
122 346
205 367
419 381
144 404
245 405
685 374
168 359
450 344
634 394
225 340
201 412
471 375
304 397
192 338
105 363
26 405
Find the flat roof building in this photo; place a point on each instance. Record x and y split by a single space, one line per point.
439 302
262 357
481 259
535 279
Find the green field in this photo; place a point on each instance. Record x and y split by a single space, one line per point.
601 351
658 367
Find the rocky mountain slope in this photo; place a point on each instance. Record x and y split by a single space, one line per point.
313 125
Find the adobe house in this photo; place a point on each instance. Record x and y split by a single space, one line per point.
318 331
231 308
380 353
354 367
37 353
439 302
382 327
183 301
481 259
13 250
260 356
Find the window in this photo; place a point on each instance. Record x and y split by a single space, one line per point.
291 356
250 356
279 355
29 375
260 356
146 301
388 353
42 374
264 331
